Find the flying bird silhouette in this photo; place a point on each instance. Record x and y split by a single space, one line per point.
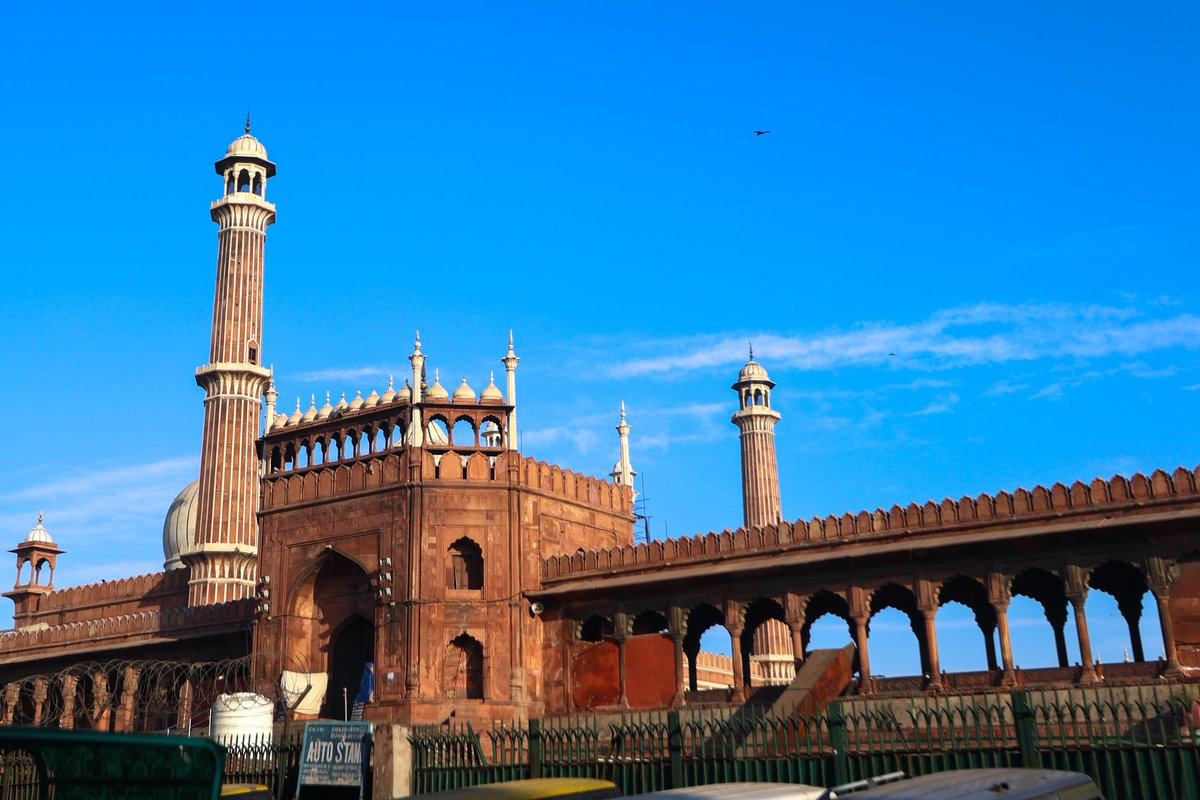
760 133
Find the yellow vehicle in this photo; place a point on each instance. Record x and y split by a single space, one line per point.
533 789
246 791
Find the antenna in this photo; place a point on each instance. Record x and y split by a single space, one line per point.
639 509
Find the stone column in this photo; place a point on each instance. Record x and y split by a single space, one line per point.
12 692
128 701
864 658
1006 656
797 629
621 623
1078 599
739 676
101 719
677 633
183 717
1163 598
39 700
66 720
929 616
1000 596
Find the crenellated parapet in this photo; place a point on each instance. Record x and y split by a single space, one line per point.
150 625
554 480
1058 502
163 589
390 467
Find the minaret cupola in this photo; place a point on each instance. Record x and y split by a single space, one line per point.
37 555
245 167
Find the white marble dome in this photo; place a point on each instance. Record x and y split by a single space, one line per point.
246 146
753 371
39 533
179 528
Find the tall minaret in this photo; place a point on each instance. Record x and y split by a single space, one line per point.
510 361
623 473
222 560
756 421
772 659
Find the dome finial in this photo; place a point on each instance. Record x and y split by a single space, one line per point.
751 349
39 516
247 119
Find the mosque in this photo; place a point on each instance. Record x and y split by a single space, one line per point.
404 530
401 529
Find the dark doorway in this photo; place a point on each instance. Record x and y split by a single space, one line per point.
353 647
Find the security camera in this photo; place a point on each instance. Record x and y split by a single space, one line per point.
536 608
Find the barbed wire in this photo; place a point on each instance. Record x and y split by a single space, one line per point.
143 694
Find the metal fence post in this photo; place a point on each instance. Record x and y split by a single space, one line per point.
535 748
1026 722
675 749
839 741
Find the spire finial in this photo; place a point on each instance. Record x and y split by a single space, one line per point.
751 349
622 410
247 120
510 342
390 389
39 516
417 345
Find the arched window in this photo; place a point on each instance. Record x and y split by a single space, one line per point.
595 628
243 181
258 183
465 569
229 182
464 668
490 434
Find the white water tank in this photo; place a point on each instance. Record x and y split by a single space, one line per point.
241 718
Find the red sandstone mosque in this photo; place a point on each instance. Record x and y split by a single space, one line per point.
406 530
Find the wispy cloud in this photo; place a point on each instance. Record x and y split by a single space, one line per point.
942 404
985 333
378 372
96 514
1004 387
1053 391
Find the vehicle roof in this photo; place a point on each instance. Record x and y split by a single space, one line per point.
992 784
529 789
741 791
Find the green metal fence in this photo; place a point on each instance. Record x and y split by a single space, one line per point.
1135 744
273 763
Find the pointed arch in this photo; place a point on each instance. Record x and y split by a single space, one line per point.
463 675
464 567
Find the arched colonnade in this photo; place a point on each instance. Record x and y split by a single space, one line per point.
1057 590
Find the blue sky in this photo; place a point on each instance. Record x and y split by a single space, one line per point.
1003 195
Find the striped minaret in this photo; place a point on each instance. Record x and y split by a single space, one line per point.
222 560
756 420
772 660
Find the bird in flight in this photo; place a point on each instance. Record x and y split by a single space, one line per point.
760 133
